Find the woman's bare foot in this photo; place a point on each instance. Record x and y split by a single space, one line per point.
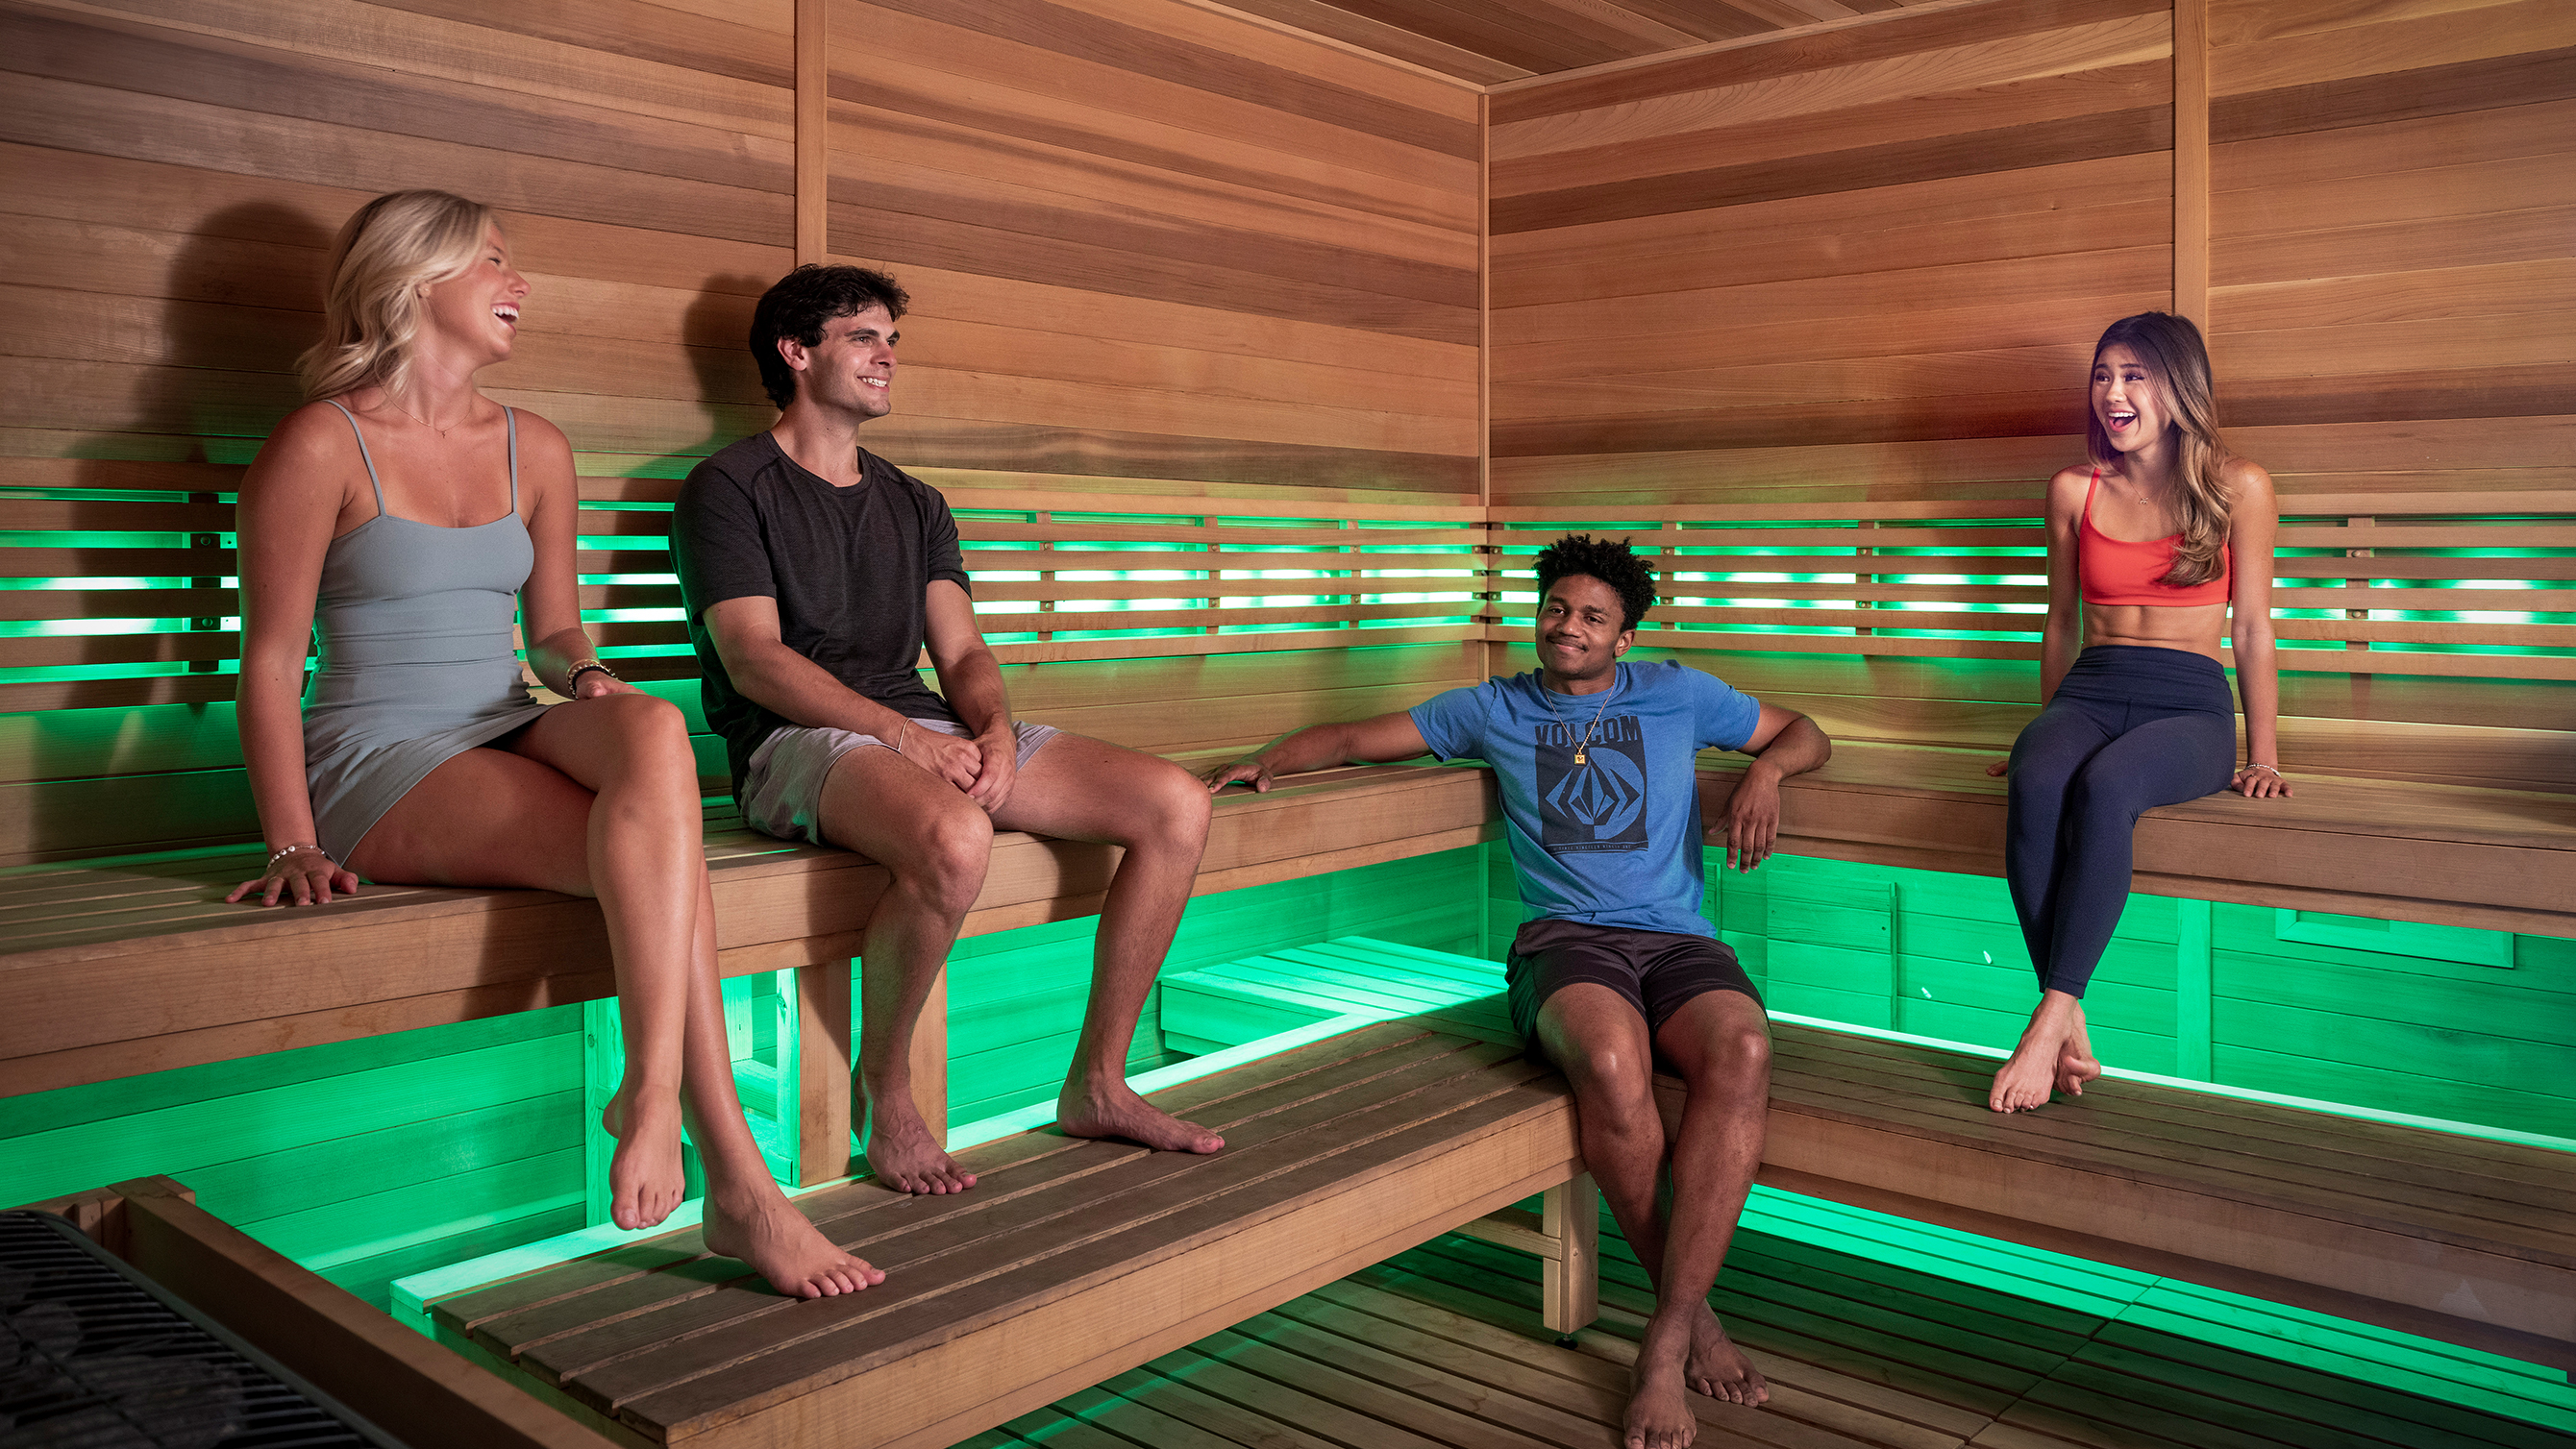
1112 1109
765 1231
902 1153
645 1179
2075 1063
1659 1413
2026 1078
1717 1368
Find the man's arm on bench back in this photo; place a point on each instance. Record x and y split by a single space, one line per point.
1378 740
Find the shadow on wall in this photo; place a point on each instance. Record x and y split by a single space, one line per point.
716 331
240 299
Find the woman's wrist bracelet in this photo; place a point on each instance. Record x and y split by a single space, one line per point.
2275 769
901 735
297 848
572 676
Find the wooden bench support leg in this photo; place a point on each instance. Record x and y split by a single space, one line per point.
821 1073
1570 1214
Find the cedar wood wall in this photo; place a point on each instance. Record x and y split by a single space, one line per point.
1870 263
1164 250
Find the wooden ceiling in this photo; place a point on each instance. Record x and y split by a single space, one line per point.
1500 40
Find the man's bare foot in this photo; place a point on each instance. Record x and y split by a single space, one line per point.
2026 1078
1717 1368
904 1156
1111 1109
1659 1413
767 1233
645 1179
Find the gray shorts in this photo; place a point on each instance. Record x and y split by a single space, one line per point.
782 791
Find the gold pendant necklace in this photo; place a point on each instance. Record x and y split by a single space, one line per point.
1582 747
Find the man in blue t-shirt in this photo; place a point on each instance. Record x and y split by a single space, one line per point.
1617 969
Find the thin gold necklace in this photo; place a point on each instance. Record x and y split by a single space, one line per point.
424 422
1583 747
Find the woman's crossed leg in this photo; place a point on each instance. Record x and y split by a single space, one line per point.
599 798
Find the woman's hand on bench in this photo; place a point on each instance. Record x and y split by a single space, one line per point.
2261 782
299 878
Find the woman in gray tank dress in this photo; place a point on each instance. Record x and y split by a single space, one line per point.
398 524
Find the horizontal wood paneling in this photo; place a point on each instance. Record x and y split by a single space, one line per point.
1862 263
2389 238
1256 268
1680 334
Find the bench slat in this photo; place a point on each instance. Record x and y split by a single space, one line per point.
1940 1101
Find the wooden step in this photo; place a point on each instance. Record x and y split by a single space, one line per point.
1070 1261
2459 1238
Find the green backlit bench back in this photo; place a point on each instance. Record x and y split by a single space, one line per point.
2431 618
119 647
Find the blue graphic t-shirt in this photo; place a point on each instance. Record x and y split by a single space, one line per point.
1614 841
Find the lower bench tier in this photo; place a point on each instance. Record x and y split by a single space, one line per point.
1070 1261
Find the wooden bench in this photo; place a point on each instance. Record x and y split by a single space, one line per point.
1070 1262
133 965
126 815
2458 1238
2434 753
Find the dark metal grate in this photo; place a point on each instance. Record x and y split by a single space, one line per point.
90 1359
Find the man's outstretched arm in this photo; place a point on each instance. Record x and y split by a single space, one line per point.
1784 743
1352 742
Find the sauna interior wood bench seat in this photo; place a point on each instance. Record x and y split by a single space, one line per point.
2448 1236
2456 811
1417 1118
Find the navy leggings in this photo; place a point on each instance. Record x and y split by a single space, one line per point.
2130 728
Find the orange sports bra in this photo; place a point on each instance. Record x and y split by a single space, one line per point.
2115 571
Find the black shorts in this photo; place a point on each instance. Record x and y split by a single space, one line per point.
1657 971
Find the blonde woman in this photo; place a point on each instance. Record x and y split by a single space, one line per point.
2150 545
394 521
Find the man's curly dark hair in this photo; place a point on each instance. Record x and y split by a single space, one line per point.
1609 560
799 306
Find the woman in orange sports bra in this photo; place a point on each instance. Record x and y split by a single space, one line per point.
2144 543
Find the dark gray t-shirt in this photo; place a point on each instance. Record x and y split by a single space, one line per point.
849 568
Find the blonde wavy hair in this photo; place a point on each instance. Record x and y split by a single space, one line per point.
372 306
2178 359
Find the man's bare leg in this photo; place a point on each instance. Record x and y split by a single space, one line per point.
1720 1044
1598 1038
1083 789
937 844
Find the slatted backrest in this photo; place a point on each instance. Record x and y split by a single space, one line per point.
2444 584
119 641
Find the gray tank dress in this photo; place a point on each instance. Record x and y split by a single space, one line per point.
414 665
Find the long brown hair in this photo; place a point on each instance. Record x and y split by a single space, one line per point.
372 304
2178 360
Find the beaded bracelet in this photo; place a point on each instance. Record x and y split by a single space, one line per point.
572 676
286 851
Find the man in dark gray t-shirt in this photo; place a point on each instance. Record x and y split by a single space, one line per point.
814 574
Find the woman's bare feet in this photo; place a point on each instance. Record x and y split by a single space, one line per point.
2028 1076
1112 1109
764 1230
645 1179
903 1154
1717 1368
2075 1063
